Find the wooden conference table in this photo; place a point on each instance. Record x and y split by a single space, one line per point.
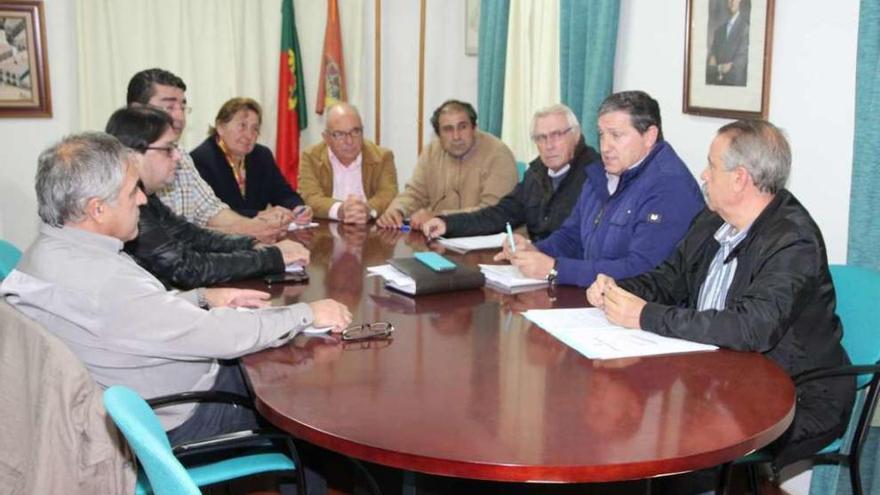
469 388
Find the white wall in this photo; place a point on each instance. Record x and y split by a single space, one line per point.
22 139
811 98
449 73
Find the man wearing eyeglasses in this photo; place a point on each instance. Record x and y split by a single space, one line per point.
188 195
630 214
548 191
347 177
464 169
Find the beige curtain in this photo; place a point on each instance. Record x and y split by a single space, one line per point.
531 78
221 49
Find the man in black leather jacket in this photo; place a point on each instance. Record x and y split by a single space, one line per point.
548 191
751 275
177 252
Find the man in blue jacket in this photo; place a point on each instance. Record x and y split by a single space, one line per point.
630 215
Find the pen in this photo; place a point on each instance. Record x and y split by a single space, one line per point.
510 239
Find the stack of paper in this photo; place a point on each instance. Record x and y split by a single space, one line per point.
465 244
394 278
587 331
508 278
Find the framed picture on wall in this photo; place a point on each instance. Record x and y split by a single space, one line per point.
728 46
24 71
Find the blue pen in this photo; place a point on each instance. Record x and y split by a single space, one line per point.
510 238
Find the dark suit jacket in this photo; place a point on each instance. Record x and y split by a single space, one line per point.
733 48
264 184
533 201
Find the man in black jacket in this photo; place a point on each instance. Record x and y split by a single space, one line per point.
179 253
751 275
547 193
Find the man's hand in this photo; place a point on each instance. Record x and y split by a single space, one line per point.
522 245
434 228
391 219
234 298
596 291
293 252
277 215
329 313
302 214
417 219
354 210
533 264
623 308
264 230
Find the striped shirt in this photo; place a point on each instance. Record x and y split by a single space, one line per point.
713 293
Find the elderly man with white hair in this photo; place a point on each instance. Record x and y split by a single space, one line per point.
548 191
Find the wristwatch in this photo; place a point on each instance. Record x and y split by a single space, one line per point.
553 273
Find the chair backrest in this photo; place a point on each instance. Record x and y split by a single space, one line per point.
137 421
9 256
857 291
521 168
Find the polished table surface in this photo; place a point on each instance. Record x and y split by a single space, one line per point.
469 388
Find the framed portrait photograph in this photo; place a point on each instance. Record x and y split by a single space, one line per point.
728 45
24 71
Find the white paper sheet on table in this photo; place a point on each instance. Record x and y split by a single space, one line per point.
465 244
509 278
393 278
587 331
295 226
294 268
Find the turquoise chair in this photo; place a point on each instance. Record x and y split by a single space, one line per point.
9 256
856 289
521 168
162 473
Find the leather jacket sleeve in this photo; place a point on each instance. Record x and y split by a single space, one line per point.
183 255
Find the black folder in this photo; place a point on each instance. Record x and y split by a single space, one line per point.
430 282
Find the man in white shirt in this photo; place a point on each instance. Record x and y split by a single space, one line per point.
117 317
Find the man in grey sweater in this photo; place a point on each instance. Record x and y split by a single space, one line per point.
117 317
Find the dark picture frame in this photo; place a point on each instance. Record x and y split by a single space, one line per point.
24 69
728 50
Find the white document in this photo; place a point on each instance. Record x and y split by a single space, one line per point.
465 244
294 268
587 331
509 278
295 226
394 278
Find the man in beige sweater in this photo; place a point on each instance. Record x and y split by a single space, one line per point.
464 170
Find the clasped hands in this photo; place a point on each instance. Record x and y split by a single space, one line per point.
271 224
621 307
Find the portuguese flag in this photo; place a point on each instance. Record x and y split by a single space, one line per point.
291 97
